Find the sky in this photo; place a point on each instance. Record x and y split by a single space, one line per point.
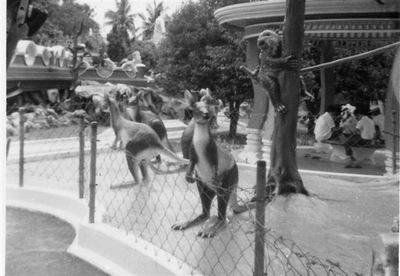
137 6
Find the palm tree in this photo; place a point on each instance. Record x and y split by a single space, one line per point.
121 19
122 22
149 19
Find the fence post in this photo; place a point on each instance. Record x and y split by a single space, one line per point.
81 156
92 183
260 219
21 111
394 159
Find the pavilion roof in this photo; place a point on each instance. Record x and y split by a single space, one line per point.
324 19
35 67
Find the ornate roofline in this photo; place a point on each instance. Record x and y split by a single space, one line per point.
35 67
245 14
337 29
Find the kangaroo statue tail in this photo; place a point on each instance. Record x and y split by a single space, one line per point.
233 198
172 155
235 206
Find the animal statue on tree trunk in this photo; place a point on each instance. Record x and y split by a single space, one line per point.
215 173
271 65
140 142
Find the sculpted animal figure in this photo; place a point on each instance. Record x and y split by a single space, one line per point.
191 100
151 100
119 92
215 172
141 142
271 64
136 110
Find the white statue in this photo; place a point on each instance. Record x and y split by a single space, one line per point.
159 29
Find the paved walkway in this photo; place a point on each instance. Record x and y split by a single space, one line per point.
69 146
308 158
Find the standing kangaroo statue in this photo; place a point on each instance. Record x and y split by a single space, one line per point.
141 142
215 172
137 111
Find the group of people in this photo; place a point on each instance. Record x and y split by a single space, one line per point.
350 126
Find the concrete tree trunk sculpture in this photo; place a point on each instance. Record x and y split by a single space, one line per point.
283 172
278 73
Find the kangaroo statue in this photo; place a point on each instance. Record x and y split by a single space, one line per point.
119 92
141 142
137 111
205 96
215 172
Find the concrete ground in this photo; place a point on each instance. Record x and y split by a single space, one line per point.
309 159
340 222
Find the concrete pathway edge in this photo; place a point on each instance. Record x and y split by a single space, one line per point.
110 249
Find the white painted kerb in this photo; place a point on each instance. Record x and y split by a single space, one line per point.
105 247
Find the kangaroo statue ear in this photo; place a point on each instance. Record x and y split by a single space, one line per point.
135 99
189 97
132 100
106 97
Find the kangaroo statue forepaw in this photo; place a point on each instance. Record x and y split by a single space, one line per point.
189 178
114 146
242 208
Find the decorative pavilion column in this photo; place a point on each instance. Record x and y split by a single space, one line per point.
267 135
392 117
327 92
253 149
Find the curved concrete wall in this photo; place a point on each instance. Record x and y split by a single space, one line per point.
105 247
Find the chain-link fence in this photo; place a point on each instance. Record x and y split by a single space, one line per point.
245 246
45 141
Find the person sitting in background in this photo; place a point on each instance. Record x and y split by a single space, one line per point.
379 122
365 133
348 122
325 127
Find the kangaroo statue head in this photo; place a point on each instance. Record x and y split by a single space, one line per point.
205 96
202 113
147 99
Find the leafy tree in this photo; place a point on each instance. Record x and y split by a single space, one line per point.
364 80
94 42
198 53
149 19
122 22
148 53
118 44
359 81
63 22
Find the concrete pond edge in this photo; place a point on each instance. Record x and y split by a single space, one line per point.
112 250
